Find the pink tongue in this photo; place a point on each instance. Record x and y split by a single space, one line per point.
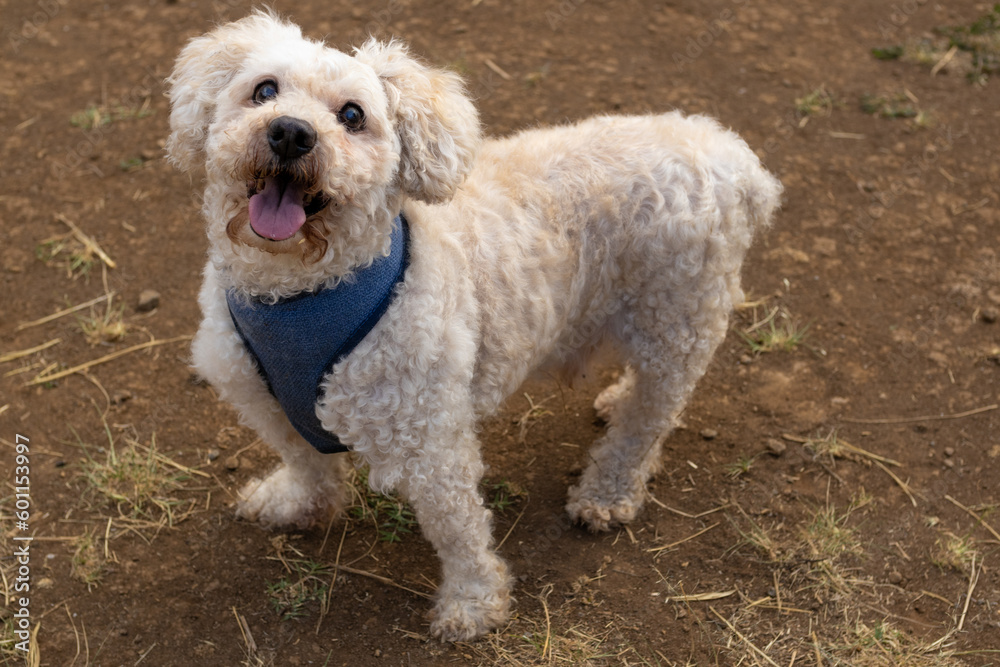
276 212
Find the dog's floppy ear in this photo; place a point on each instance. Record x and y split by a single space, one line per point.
437 123
203 68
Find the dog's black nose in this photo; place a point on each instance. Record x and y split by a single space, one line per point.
290 137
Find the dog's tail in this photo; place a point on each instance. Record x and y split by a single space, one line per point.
761 193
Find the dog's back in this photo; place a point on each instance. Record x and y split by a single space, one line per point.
564 226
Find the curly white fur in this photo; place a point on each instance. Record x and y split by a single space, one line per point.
526 251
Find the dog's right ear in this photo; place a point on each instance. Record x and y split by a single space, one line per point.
203 68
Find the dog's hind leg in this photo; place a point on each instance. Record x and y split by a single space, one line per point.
668 341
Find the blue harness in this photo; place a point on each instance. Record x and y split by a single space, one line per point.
297 340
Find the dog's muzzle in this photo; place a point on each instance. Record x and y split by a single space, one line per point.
280 201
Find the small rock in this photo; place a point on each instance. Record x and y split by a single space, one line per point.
120 396
148 154
746 360
989 315
709 433
148 300
949 463
895 578
776 447
232 463
213 454
949 451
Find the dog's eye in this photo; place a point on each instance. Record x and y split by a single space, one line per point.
352 117
265 91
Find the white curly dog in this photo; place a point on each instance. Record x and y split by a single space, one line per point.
520 252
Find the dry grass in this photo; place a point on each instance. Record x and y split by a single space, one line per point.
136 479
88 560
104 327
68 253
821 610
547 638
954 552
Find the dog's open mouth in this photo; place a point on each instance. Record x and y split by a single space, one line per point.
280 205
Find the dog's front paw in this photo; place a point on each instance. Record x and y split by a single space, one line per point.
599 515
458 618
607 402
282 501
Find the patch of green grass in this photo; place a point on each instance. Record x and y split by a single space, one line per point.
392 517
777 332
101 116
502 495
67 252
888 52
973 49
307 583
892 106
981 40
814 103
131 164
740 467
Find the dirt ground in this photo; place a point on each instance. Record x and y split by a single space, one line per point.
829 501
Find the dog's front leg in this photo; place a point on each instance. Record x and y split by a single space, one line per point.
308 487
442 485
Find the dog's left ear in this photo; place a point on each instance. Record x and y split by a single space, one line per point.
437 123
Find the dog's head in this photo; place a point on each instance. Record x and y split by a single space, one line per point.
310 151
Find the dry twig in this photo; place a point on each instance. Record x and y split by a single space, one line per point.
110 357
908 420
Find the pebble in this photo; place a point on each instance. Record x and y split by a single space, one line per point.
232 463
214 454
989 315
949 463
776 447
746 360
120 396
148 300
709 433
949 451
895 578
148 154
